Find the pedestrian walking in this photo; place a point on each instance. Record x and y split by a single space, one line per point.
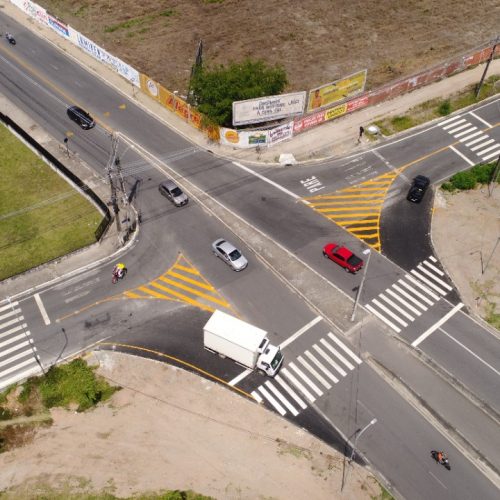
361 132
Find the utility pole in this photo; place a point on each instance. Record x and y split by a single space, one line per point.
109 171
490 58
360 288
124 195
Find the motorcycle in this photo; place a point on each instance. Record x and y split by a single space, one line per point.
10 38
118 274
444 461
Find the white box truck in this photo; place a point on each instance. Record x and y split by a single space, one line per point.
242 342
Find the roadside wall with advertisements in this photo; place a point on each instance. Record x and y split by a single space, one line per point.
352 84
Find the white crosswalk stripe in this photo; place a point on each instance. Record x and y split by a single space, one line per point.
421 287
286 396
18 356
481 144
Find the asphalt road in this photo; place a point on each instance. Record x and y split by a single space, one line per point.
88 308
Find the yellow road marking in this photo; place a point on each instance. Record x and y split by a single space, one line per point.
196 292
180 361
189 280
181 296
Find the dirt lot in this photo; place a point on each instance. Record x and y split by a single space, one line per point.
317 41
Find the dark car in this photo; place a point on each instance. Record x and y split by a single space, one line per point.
173 192
418 187
81 117
343 257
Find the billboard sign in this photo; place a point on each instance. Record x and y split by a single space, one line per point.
336 91
269 108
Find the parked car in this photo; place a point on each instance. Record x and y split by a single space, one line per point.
173 192
81 117
343 257
229 254
418 188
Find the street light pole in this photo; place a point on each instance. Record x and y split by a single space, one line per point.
372 422
358 295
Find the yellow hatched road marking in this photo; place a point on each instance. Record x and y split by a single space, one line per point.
192 290
181 296
191 270
200 284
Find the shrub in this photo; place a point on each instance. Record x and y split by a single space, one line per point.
444 108
483 173
402 123
447 186
464 180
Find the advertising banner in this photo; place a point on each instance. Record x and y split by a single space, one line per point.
302 124
336 91
268 108
242 139
281 133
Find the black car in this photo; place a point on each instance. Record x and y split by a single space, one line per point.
418 187
80 116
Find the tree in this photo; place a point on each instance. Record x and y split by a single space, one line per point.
215 89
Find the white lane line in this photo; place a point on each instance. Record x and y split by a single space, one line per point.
389 312
471 352
434 268
273 401
290 391
265 179
490 156
298 333
10 313
314 372
396 306
13 330
414 310
15 348
485 143
327 358
436 325
334 351
433 258
12 339
422 278
40 305
306 379
323 368
409 297
280 396
467 137
345 348
11 305
482 152
297 384
480 119
19 376
477 139
256 396
383 318
462 156
417 293
239 377
449 120
452 131
434 277
465 132
409 277
27 352
462 120
17 366
12 321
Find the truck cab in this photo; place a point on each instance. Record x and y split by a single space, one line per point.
270 360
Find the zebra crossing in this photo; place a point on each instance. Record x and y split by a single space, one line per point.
404 301
305 379
478 142
18 356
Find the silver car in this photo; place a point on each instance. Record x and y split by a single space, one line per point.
229 254
173 192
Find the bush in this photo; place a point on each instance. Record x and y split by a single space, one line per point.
479 174
464 180
444 108
402 123
483 173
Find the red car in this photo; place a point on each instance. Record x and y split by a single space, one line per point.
343 257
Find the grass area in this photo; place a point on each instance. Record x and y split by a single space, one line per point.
73 385
437 108
138 22
469 179
41 216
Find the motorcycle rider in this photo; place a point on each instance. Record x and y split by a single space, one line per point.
441 457
120 270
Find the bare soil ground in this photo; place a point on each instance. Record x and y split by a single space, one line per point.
317 41
169 429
